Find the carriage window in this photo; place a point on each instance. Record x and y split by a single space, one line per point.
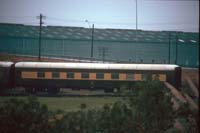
85 75
55 74
155 77
115 75
70 75
146 76
40 75
99 76
130 76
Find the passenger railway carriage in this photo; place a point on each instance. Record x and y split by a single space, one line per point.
52 76
6 74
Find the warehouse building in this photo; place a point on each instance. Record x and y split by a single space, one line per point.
118 45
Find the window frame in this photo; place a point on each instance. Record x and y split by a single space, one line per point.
70 75
146 76
57 76
40 73
99 75
130 76
114 75
83 75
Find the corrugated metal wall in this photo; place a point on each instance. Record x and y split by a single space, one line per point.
137 52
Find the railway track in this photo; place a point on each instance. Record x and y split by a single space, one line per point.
45 94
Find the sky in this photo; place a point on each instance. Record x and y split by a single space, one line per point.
157 15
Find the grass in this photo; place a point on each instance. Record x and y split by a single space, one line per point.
71 103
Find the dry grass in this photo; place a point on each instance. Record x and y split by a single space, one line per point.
71 103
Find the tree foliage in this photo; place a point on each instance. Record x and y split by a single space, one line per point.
188 118
153 110
17 115
147 109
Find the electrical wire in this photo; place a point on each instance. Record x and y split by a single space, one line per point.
116 23
50 20
121 23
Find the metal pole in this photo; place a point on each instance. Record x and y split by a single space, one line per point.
136 19
23 51
103 54
169 47
40 37
92 41
136 15
63 48
176 49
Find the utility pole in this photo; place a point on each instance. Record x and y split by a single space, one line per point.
169 47
176 49
92 41
91 52
40 34
136 15
103 52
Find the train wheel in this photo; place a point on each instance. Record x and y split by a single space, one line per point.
28 90
57 90
31 90
108 90
53 90
116 90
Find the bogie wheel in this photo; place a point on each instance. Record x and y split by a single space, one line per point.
53 90
116 90
108 90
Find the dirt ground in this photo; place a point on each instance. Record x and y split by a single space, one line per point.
192 73
15 58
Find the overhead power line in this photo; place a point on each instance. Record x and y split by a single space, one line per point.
18 16
49 19
62 19
121 23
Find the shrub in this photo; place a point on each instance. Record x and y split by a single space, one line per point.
17 115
